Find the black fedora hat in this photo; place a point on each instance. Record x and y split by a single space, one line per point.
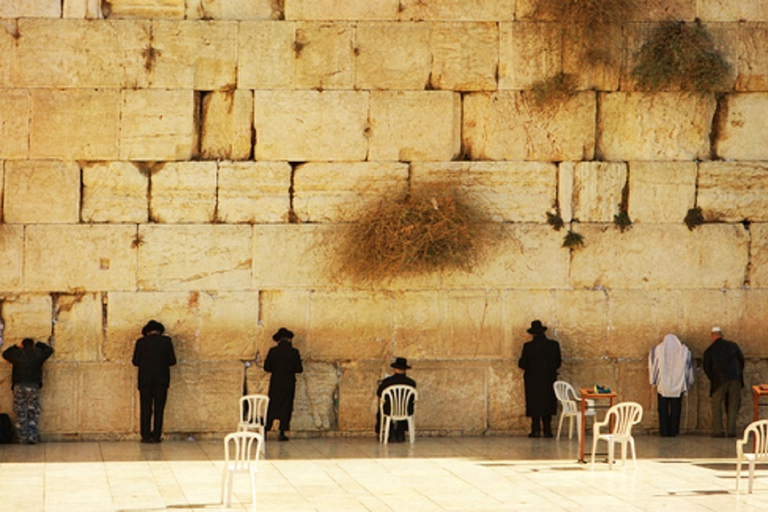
153 326
400 363
536 327
282 334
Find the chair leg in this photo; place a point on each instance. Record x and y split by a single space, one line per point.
623 453
223 483
560 425
751 474
385 430
634 457
594 448
610 454
738 473
412 429
570 426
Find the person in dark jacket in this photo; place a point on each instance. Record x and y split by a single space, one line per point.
724 365
540 361
154 356
283 362
27 359
399 428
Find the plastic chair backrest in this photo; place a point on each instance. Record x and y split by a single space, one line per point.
566 395
758 429
398 397
624 416
241 451
253 410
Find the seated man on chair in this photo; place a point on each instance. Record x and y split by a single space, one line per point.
399 428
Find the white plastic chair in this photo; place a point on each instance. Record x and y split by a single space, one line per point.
623 416
241 454
398 396
253 416
571 404
760 431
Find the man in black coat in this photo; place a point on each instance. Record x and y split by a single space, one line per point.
154 356
398 429
540 361
724 365
27 359
283 362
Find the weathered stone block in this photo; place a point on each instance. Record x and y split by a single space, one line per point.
472 326
528 53
41 192
195 257
457 10
582 323
506 398
661 191
184 192
79 257
228 325
593 59
283 308
725 10
266 57
87 9
310 125
418 321
758 255
232 9
59 398
11 256
227 123
337 192
358 383
325 57
341 10
743 321
314 404
452 395
678 128
143 9
78 328
104 394
741 133
410 125
157 124
753 56
115 192
254 192
27 316
30 9
521 308
507 126
74 123
712 256
597 190
732 191
644 10
465 56
633 385
392 55
15 112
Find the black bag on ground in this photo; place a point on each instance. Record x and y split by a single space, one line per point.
6 429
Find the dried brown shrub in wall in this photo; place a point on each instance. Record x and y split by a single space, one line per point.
430 228
554 90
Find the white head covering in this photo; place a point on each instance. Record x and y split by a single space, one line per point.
670 367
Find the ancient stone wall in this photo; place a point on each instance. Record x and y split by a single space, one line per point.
194 161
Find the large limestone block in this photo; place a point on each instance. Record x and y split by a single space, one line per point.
758 255
105 394
521 308
411 125
528 53
41 192
733 191
80 258
115 192
358 383
392 56
266 56
338 192
227 125
633 385
725 10
593 60
659 126
283 308
30 9
418 319
195 257
78 328
15 117
582 323
452 395
183 192
661 257
744 322
472 326
661 191
58 398
507 126
506 398
158 124
232 9
128 312
644 10
341 10
324 55
254 192
228 325
83 9
11 256
203 397
9 33
199 55
313 408
597 190
508 191
457 10
753 56
74 123
338 329
173 9
741 130
27 316
510 263
465 56
311 125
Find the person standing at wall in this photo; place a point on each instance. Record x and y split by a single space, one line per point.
540 361
399 428
283 362
670 369
27 359
154 356
724 365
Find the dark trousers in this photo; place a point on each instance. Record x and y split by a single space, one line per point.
728 395
669 415
152 400
541 422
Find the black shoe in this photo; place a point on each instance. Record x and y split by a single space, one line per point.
548 434
721 435
282 437
534 434
147 441
157 440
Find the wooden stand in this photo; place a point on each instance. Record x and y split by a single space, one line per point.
591 395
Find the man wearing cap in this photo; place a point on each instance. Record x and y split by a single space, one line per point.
283 362
399 428
540 361
154 356
724 365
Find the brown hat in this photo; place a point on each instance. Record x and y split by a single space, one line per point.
282 334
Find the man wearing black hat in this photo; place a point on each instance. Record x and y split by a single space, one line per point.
154 356
283 362
540 361
399 428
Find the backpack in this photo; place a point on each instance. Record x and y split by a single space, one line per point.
6 429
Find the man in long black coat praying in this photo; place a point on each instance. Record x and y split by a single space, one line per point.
540 361
283 362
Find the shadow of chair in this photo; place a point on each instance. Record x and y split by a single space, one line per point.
241 455
758 430
400 399
622 417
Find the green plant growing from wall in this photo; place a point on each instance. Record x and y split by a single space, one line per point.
573 240
553 90
681 55
694 218
622 220
555 219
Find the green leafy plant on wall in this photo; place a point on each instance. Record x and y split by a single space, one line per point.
573 240
694 218
681 55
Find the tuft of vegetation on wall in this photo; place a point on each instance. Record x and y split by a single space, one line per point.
554 90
